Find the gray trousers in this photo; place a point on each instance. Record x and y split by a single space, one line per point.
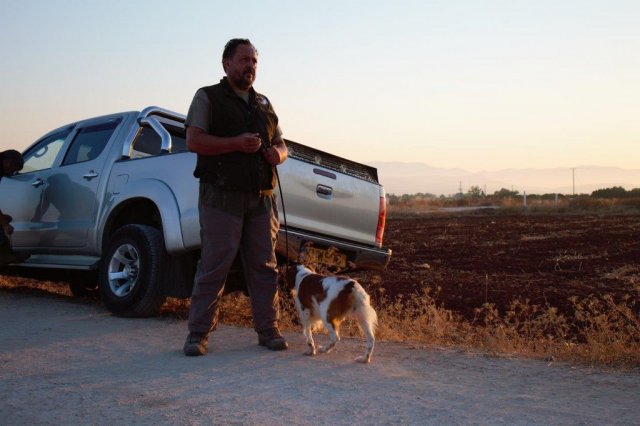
253 234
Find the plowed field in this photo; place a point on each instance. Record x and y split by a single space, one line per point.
468 260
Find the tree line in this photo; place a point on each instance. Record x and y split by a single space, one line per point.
476 193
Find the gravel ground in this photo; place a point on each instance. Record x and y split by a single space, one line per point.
64 361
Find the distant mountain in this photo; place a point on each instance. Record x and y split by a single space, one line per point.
411 178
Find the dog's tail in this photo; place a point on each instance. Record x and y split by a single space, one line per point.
363 306
367 318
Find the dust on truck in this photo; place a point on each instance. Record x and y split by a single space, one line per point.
114 196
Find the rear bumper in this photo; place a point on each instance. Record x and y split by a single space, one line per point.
360 256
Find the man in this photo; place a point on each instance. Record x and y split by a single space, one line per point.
11 162
234 130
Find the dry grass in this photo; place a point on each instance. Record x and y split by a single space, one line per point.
601 331
34 286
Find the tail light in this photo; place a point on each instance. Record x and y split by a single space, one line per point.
382 217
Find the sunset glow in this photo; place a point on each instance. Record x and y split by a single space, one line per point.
465 84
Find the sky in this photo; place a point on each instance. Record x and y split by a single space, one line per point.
477 85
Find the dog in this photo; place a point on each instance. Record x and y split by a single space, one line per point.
329 300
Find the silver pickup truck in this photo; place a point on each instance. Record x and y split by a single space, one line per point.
116 195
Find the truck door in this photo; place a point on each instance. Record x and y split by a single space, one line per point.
68 202
21 194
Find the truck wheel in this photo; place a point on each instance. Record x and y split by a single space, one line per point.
131 274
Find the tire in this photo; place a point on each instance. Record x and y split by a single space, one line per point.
130 277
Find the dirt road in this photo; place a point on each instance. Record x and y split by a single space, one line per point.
71 362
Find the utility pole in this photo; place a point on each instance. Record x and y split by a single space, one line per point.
573 173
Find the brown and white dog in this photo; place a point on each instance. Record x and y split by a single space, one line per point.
329 300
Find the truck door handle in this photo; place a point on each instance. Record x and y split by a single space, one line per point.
324 190
90 175
37 183
325 173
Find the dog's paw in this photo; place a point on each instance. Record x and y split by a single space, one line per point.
310 352
325 349
363 359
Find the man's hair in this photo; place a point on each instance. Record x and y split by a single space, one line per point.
13 156
232 45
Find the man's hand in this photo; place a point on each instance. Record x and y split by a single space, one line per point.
277 153
202 143
248 142
272 156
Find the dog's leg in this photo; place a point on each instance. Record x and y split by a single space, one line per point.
334 336
307 332
367 319
312 345
366 358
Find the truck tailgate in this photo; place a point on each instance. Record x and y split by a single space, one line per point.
329 195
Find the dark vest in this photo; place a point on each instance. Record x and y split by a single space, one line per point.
232 116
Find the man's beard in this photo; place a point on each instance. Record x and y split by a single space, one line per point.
244 81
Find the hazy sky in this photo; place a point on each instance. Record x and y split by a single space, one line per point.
478 85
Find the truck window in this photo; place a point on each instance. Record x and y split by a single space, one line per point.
43 155
148 142
89 142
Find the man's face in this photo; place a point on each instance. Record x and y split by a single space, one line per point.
241 67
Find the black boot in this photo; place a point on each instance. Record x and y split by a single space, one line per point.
196 344
272 339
